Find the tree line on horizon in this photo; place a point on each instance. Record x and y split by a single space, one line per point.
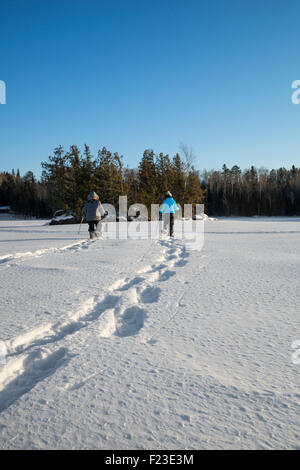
68 177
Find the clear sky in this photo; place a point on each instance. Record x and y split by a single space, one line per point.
137 74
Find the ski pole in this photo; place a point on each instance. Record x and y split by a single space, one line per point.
158 229
80 225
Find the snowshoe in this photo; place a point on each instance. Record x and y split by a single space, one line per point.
95 235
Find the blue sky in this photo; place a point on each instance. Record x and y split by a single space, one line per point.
132 75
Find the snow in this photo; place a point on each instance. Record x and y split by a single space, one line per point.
143 344
59 218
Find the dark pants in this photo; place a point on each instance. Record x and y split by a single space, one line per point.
169 222
93 225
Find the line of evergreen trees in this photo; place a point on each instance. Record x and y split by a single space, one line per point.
24 194
68 176
252 192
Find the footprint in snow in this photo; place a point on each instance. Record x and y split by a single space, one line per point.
166 275
181 263
133 282
150 295
35 368
131 321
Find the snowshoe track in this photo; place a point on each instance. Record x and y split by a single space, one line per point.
20 376
121 312
12 259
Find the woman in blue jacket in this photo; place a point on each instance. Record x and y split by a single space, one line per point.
167 213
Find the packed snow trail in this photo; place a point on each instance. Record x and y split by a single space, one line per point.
123 318
118 309
143 344
35 254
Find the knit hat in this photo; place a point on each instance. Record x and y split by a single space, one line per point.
93 195
168 194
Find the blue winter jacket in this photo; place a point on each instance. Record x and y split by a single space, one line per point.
169 206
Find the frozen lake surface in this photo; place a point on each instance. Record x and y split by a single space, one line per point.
143 344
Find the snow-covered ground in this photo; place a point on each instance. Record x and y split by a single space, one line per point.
142 344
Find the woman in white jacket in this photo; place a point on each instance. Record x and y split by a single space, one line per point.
93 212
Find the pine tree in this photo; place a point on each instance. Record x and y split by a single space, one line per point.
164 174
178 179
194 192
54 176
131 186
147 177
